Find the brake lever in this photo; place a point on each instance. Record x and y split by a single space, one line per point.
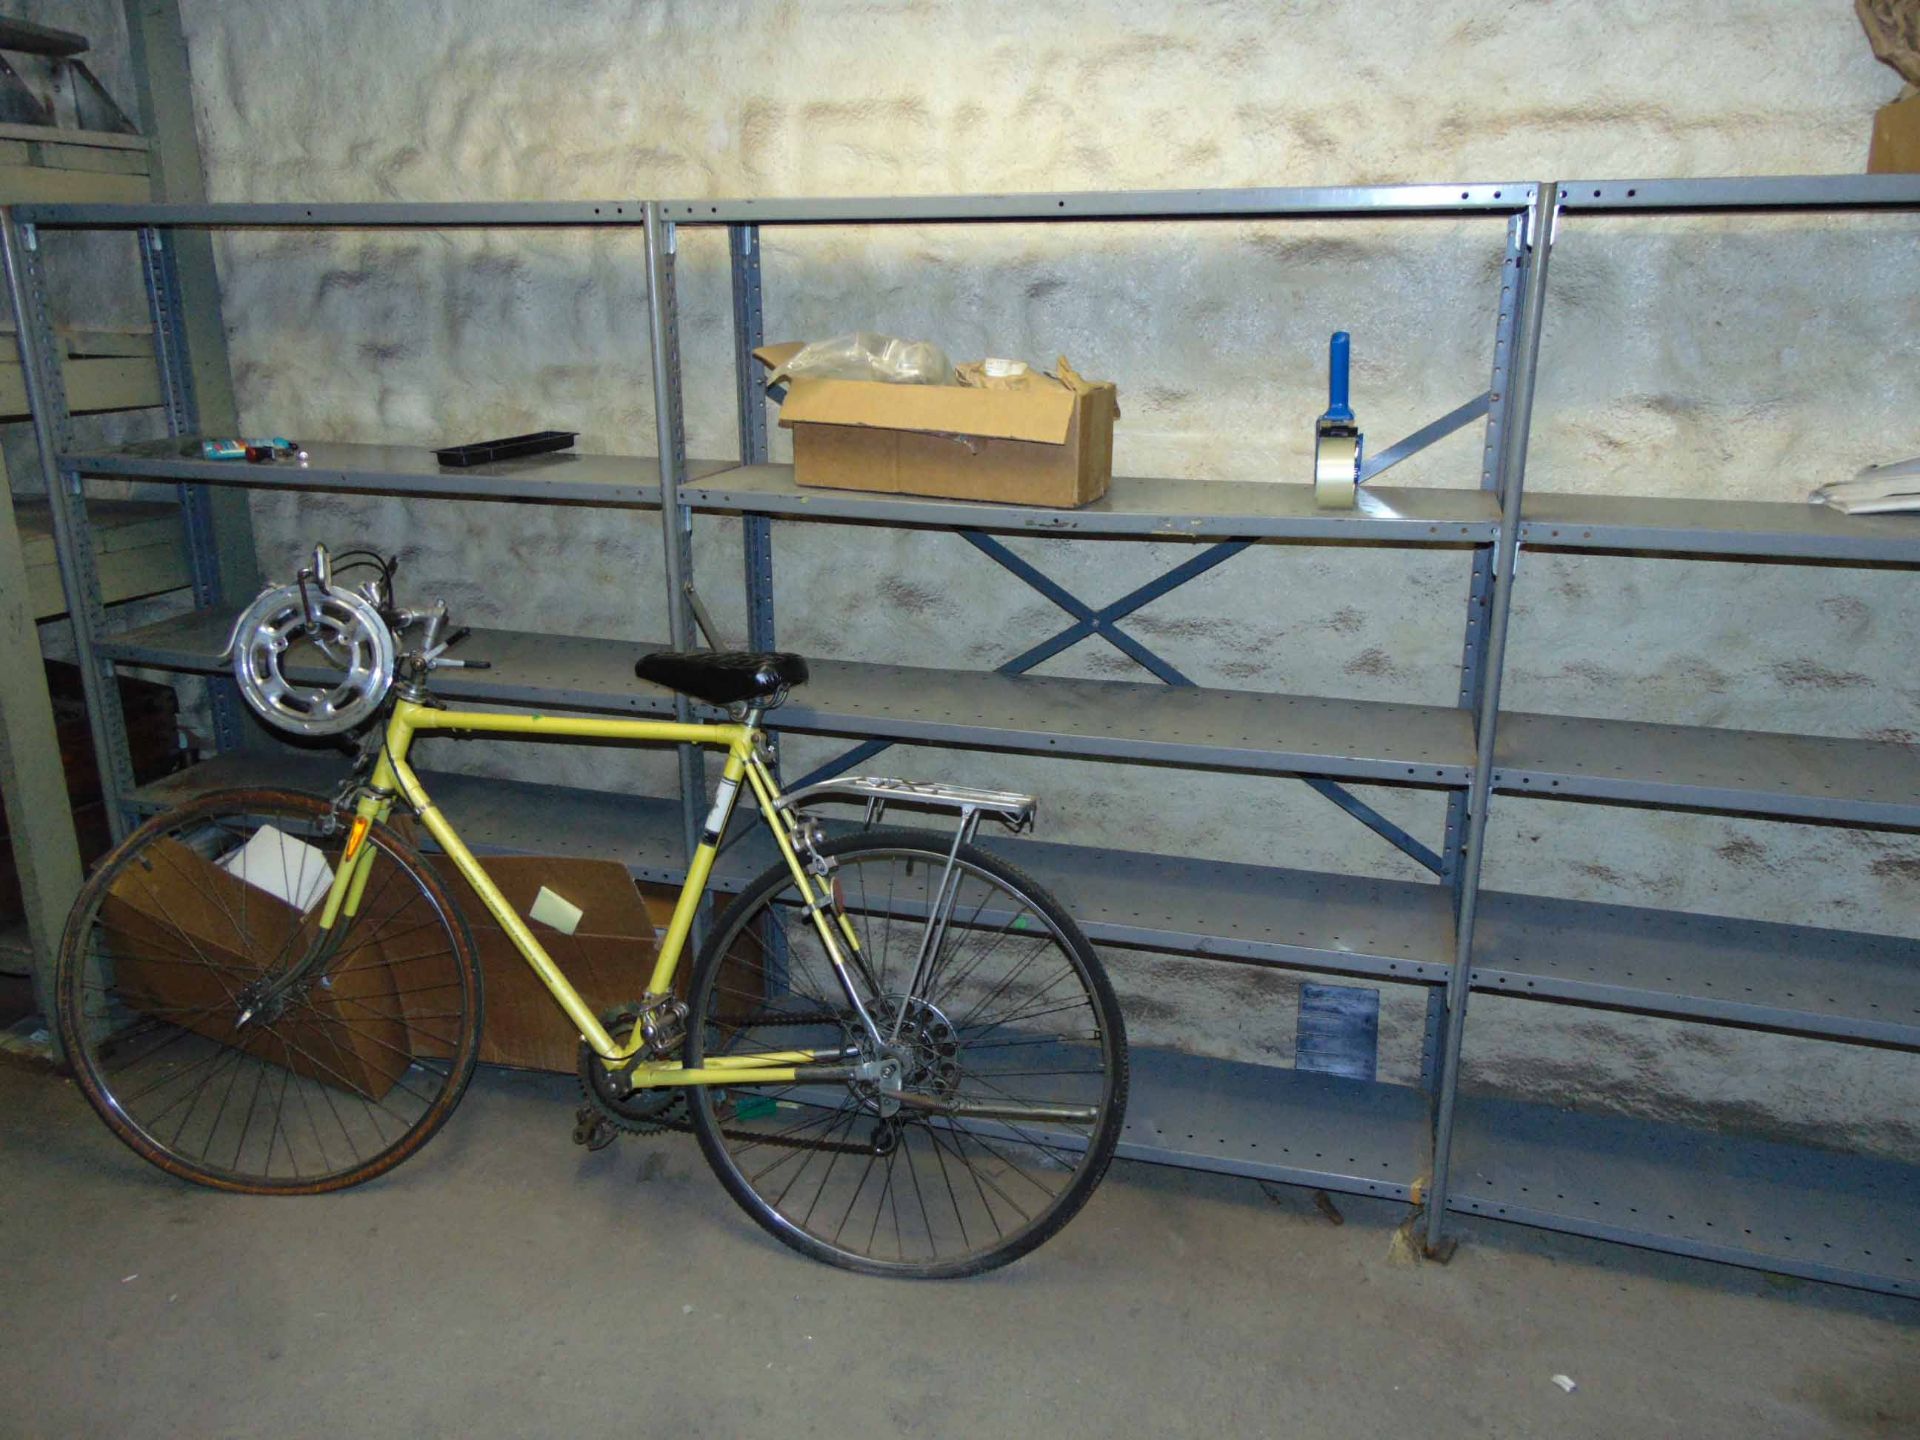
436 658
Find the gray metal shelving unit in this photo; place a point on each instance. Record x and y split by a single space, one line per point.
1752 1202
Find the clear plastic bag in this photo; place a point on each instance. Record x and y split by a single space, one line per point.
867 356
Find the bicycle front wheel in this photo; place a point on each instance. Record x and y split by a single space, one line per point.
226 1037
1010 1047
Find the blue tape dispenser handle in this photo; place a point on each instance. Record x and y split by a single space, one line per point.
1338 350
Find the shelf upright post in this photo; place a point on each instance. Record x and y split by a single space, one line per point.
160 269
676 519
749 333
1512 478
66 499
1479 590
163 90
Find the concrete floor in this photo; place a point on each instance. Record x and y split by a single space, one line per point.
506 1283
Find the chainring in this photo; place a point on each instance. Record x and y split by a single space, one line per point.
640 1112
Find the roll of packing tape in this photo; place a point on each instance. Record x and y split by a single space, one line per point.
1336 466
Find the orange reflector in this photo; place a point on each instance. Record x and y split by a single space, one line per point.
357 835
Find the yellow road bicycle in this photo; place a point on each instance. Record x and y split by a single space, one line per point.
899 1053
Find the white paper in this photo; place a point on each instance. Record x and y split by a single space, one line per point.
286 868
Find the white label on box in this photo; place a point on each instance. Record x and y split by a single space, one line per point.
551 909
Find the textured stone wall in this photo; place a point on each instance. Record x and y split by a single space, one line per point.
1684 357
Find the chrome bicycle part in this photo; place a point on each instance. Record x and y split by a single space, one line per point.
336 688
1011 808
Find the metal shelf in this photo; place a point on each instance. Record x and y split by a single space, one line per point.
1145 508
1500 198
528 668
1268 1123
629 480
1807 777
1835 984
1756 528
1385 930
350 215
1224 729
1746 192
1825 1215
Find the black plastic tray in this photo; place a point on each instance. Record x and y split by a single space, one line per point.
484 452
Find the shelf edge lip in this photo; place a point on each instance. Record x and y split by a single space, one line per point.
334 213
946 514
1148 1153
1506 197
473 687
1664 795
1318 958
1531 985
451 485
1539 1218
1451 775
1747 192
1684 541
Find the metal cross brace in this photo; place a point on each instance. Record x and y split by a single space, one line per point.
1426 435
1102 622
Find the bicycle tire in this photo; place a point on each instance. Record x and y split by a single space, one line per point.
376 1069
725 1137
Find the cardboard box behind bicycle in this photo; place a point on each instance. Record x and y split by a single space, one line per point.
185 933
1040 440
608 956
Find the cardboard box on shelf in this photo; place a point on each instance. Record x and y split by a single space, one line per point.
1896 139
1047 443
178 950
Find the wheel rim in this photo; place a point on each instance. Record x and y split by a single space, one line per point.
228 1038
1011 1017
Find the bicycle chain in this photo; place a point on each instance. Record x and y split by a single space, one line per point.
675 1117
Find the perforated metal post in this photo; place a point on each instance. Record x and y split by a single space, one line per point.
749 333
161 271
1525 362
1479 593
72 537
676 521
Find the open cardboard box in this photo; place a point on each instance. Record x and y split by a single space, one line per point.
1042 445
1896 139
184 936
608 958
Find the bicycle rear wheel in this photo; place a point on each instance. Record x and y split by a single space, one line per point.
1012 1050
228 1039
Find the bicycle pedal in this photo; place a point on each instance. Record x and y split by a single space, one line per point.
592 1129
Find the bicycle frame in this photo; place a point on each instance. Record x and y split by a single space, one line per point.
393 780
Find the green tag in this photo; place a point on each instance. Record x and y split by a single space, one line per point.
754 1107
